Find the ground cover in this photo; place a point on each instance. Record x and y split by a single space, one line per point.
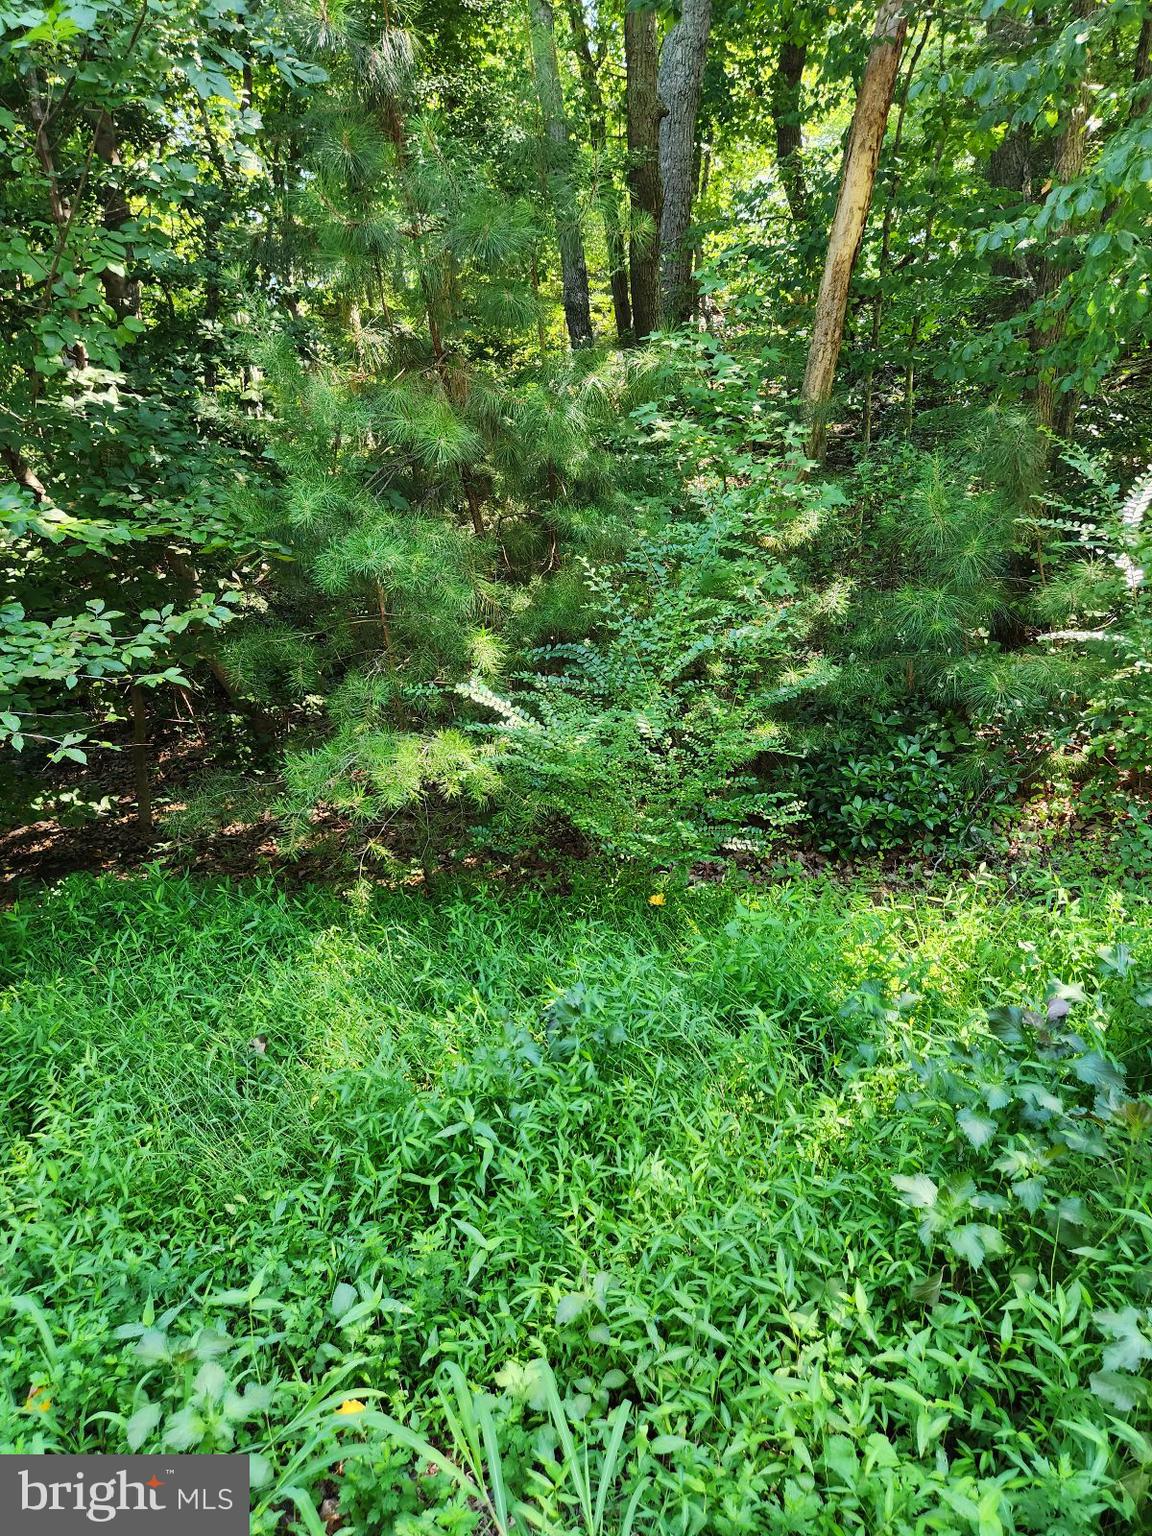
826 1208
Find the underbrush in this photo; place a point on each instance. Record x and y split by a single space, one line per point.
826 1211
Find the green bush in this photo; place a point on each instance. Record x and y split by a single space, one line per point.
887 785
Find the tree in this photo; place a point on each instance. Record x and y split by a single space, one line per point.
597 111
678 86
561 185
787 84
127 126
645 189
857 178
435 481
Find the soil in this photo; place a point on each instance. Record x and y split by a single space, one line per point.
101 830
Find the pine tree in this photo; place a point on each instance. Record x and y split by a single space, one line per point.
435 475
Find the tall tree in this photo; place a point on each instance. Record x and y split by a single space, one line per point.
561 182
1056 407
857 179
589 64
681 69
785 98
1052 411
645 190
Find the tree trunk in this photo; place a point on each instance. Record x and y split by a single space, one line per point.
784 101
645 191
857 178
609 206
681 69
1013 168
1068 164
885 261
22 474
140 761
121 291
1141 67
59 205
573 269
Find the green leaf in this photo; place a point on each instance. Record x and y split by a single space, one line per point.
344 1298
153 1346
840 1457
879 1452
1098 1071
259 1471
1115 961
1007 1024
919 1191
666 1445
142 1424
1122 1392
979 1129
569 1308
1030 1193
974 1241
1130 1346
927 1291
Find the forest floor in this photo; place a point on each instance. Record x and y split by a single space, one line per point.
85 821
277 1159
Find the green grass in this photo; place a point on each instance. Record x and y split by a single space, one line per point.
267 1154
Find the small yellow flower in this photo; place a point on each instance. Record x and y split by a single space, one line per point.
657 899
37 1401
351 1405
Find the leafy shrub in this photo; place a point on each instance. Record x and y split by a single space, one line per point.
890 785
654 737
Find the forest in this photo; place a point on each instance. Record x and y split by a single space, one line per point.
576 759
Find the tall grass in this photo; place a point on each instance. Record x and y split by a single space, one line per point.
268 1154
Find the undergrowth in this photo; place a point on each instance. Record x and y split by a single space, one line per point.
825 1211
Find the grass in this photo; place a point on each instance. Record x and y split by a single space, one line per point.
683 1218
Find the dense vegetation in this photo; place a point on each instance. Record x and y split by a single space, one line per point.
414 403
598 1205
633 495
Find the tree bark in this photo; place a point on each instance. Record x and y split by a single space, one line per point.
61 207
1069 162
857 178
573 268
681 69
885 261
1013 168
121 291
1141 67
784 102
645 190
140 765
609 206
22 474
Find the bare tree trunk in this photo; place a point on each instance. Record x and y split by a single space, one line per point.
1141 66
573 268
121 291
681 69
885 261
609 204
22 473
645 191
1053 410
140 761
1068 165
784 101
857 178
